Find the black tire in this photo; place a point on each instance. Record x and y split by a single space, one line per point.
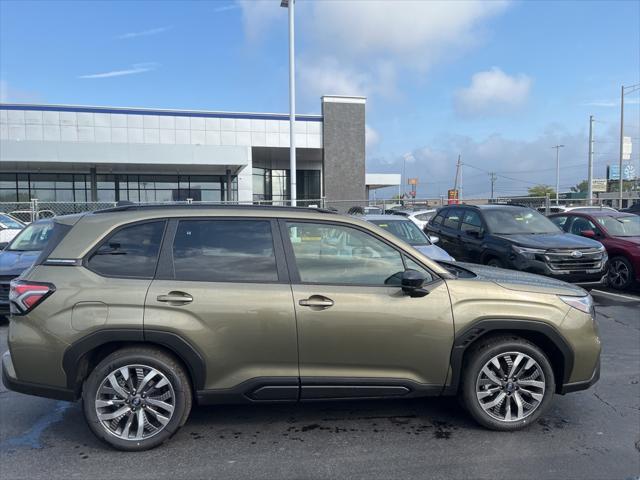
621 274
495 262
479 356
154 358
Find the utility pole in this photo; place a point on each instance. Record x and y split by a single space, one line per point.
590 174
623 91
493 178
621 181
457 184
558 147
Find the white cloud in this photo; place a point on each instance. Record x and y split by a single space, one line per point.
259 17
362 47
226 8
493 91
372 137
9 94
520 163
144 33
135 69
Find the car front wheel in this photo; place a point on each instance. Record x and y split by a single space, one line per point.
136 398
508 383
621 274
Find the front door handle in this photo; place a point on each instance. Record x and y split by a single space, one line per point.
175 298
316 301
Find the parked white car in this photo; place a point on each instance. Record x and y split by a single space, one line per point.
9 228
419 217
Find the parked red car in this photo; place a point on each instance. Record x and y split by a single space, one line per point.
619 232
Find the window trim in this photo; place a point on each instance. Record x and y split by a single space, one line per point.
483 227
110 233
292 266
446 217
166 269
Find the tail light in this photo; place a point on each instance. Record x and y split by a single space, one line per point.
25 296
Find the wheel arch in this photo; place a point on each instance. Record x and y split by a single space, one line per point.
83 355
543 335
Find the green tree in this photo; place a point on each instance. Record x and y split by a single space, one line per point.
541 191
583 186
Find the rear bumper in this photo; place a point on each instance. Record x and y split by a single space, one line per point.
577 386
11 381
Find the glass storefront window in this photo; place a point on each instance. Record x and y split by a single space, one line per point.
63 187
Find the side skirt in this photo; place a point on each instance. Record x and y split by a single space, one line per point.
293 389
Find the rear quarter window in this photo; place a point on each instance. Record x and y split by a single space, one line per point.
129 252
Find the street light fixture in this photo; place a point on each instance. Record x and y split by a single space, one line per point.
290 4
558 147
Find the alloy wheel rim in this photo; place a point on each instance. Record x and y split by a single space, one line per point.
618 273
135 402
510 386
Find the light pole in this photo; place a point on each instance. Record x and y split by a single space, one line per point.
558 147
290 4
623 91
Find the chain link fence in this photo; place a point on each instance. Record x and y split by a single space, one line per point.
34 210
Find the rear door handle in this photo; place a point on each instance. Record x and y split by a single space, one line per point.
175 298
317 301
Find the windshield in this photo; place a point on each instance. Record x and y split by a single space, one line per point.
511 221
10 222
627 226
405 230
33 238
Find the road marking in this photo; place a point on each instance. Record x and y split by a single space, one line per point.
627 297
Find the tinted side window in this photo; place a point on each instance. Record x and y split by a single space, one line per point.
327 253
453 218
471 221
130 252
580 224
560 221
224 251
437 220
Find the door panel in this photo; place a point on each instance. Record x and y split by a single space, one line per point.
374 332
354 321
222 286
243 331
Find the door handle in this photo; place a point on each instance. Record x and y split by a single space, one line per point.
175 298
317 301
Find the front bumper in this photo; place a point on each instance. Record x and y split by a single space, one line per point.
10 380
577 386
568 275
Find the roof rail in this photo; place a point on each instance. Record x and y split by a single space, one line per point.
126 206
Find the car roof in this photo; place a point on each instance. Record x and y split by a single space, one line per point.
389 217
594 213
493 206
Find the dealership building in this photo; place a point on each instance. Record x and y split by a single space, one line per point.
105 154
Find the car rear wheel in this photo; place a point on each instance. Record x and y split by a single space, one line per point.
137 398
495 262
621 274
507 384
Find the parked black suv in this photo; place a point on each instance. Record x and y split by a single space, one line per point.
517 237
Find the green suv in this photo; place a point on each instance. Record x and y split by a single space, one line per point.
144 311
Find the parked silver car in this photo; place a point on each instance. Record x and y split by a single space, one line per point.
408 231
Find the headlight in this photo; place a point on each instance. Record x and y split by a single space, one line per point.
529 253
584 304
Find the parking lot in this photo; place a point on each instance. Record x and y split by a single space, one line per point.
590 434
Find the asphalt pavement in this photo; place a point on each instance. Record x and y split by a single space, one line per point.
593 434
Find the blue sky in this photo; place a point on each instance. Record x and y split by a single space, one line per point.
499 82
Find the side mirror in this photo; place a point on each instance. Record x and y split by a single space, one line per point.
588 233
433 239
412 282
